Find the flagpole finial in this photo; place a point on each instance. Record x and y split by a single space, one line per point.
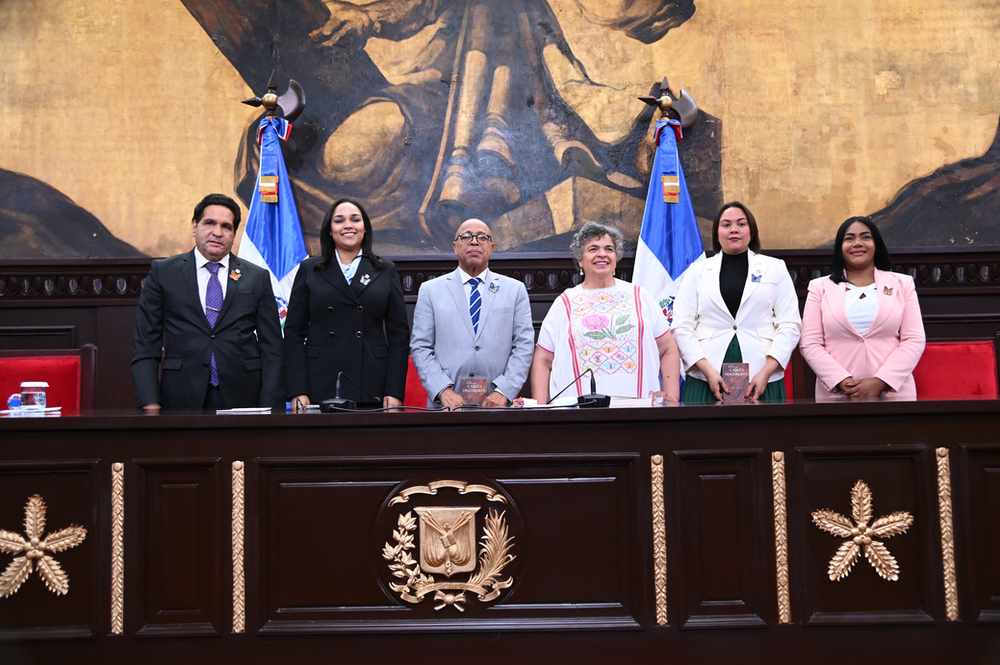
289 105
678 107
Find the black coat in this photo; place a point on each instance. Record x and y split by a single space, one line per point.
246 338
359 329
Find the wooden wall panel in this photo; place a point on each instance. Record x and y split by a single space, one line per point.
576 554
982 507
719 539
579 506
900 478
71 490
180 541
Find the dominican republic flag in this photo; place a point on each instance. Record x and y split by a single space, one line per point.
273 235
669 240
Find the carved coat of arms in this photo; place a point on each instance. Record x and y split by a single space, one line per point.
446 541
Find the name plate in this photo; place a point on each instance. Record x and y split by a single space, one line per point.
737 377
473 391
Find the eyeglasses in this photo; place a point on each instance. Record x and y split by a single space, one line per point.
467 237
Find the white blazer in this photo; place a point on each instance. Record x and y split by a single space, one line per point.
766 324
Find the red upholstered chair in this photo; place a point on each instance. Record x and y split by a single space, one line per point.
790 379
957 369
70 373
415 393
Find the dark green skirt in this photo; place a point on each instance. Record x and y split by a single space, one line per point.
697 391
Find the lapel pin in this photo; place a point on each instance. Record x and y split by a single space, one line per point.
886 290
494 286
755 278
235 275
365 279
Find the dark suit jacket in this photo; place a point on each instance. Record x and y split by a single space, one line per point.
170 316
359 329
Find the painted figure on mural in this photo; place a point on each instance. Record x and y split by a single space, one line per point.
434 111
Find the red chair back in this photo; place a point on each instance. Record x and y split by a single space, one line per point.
957 369
70 374
415 393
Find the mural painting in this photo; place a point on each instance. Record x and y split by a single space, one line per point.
520 112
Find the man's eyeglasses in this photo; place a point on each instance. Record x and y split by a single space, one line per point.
467 237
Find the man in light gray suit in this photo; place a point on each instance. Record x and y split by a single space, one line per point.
472 324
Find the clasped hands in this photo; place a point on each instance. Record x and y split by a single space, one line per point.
864 389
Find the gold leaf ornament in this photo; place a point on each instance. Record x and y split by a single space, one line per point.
862 536
33 550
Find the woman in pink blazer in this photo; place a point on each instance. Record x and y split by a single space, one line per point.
862 332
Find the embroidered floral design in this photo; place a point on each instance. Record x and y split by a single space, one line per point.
603 332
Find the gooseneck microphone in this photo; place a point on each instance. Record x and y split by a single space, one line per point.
591 401
339 403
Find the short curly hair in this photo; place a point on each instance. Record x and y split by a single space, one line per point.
592 230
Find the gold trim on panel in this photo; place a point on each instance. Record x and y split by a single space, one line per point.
117 548
461 486
947 534
239 576
659 540
781 535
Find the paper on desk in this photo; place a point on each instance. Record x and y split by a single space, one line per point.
245 409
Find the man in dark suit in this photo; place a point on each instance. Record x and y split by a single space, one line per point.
212 319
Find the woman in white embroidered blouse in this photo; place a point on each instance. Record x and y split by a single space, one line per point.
606 325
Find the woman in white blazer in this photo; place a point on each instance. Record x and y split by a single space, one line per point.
738 306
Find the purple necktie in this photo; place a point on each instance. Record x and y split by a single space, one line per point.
213 303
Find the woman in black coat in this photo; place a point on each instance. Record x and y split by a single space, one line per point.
346 314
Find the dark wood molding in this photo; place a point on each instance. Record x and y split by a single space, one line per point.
964 270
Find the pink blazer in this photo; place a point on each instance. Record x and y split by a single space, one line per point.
889 349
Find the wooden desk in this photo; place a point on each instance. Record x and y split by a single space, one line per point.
653 534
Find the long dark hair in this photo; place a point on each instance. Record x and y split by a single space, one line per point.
882 260
326 240
751 221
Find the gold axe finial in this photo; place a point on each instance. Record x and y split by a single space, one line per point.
682 107
289 105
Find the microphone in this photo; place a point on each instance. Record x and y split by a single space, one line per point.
339 403
593 400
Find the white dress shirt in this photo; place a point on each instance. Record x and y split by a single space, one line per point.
203 275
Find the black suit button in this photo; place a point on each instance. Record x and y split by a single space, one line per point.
471 375
213 336
358 333
329 309
361 308
333 334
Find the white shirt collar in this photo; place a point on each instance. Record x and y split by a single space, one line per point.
484 275
201 260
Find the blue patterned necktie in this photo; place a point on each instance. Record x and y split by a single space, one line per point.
475 303
213 303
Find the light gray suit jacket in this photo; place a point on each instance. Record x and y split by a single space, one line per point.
444 348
